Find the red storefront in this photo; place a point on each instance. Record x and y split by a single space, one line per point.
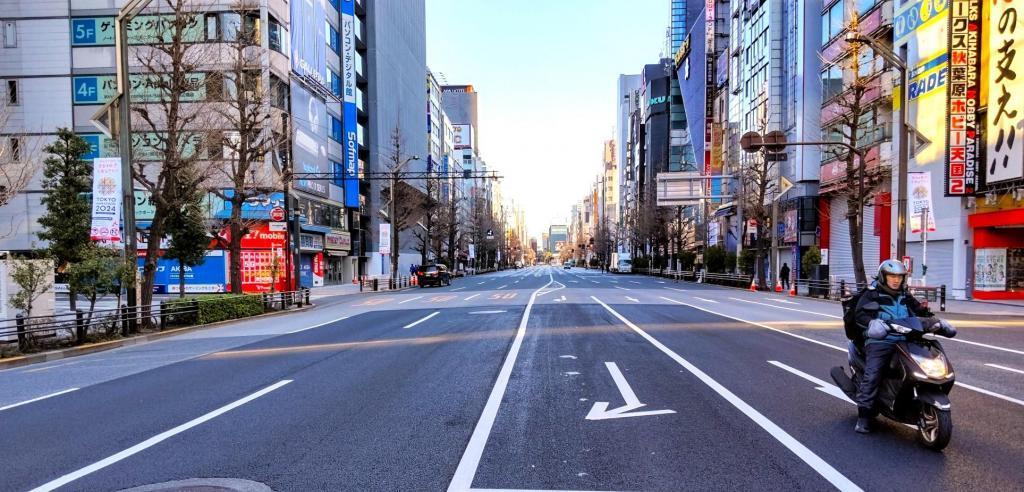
263 252
998 253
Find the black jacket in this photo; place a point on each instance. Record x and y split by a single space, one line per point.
888 306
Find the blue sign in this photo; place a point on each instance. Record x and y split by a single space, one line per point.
94 146
210 276
349 111
83 32
86 90
253 208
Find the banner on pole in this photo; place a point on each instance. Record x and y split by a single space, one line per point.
385 239
106 200
920 184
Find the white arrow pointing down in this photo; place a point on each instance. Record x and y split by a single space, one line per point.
600 409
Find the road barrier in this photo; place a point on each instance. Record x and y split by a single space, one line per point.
75 328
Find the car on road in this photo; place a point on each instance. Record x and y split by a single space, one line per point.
567 265
621 263
433 275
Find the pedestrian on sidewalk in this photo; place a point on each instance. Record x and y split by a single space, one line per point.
784 274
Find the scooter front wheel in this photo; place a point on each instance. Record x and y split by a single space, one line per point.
934 427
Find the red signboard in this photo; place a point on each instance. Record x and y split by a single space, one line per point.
963 97
261 267
259 237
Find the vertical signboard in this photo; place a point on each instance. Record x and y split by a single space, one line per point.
920 199
106 200
349 110
962 101
709 88
463 138
1004 145
384 239
309 149
309 39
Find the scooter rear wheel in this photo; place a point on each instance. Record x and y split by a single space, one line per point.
934 427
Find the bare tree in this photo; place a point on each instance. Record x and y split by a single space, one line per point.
176 127
403 200
427 232
20 158
852 123
757 189
248 119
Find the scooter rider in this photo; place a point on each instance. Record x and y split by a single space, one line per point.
886 299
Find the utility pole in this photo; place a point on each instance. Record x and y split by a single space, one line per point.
291 213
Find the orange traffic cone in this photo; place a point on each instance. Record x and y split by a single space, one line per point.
792 290
778 285
753 284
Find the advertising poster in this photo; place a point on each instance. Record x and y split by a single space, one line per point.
920 192
463 138
312 270
208 277
106 200
309 39
990 269
261 267
963 99
1005 135
384 239
789 233
310 146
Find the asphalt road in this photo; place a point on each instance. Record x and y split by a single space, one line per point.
535 379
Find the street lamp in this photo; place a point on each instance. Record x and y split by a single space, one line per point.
903 126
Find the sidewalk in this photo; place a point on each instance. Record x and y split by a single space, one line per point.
988 308
333 290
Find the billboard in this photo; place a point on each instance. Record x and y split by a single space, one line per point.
309 39
920 185
463 138
309 148
210 276
143 29
100 89
963 98
348 91
1005 149
106 200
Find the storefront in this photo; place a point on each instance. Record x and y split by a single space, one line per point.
339 265
263 259
311 258
998 254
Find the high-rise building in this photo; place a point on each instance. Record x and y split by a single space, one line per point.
558 236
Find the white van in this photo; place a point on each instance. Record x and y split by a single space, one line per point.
621 263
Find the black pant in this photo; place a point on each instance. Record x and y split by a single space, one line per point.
785 281
876 360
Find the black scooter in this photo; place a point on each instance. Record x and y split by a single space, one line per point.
916 384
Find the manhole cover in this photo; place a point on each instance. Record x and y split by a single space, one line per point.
204 485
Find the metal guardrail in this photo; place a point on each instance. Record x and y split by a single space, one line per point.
376 283
26 331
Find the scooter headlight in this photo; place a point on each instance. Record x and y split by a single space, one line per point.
933 367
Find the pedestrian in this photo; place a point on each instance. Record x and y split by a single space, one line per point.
784 274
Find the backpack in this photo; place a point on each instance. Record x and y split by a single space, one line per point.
853 332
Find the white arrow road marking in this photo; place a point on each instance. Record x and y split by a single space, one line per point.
712 301
819 465
997 366
632 299
157 439
470 297
487 312
26 402
600 409
411 299
827 388
414 323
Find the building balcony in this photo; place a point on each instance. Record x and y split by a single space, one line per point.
879 90
877 159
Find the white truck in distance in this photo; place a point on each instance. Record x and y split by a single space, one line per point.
621 263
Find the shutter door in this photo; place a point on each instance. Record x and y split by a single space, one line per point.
840 260
940 266
871 243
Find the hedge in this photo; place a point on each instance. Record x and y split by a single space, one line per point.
212 309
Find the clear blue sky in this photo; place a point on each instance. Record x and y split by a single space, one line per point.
546 73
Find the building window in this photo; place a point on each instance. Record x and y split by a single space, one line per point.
336 4
10 34
335 82
15 145
832 22
333 40
335 129
278 93
278 37
12 92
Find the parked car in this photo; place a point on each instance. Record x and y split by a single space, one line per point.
433 275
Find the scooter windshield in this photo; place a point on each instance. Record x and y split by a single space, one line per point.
913 322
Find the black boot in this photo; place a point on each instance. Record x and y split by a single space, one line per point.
864 416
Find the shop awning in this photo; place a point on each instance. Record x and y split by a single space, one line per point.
316 228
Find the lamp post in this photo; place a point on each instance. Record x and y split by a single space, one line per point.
901 130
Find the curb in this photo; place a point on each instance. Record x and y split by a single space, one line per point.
24 360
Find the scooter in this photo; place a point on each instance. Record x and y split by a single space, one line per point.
916 384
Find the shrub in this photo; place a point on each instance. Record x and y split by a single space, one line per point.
212 309
810 259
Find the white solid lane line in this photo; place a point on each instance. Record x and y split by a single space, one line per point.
455 289
502 287
635 282
496 311
26 402
414 323
997 366
464 473
819 465
622 288
712 301
841 349
318 325
470 297
993 347
787 308
677 290
38 369
411 299
75 475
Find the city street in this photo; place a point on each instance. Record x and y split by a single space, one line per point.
533 379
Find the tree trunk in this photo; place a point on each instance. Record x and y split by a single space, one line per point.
759 258
181 278
235 245
853 221
156 231
72 299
